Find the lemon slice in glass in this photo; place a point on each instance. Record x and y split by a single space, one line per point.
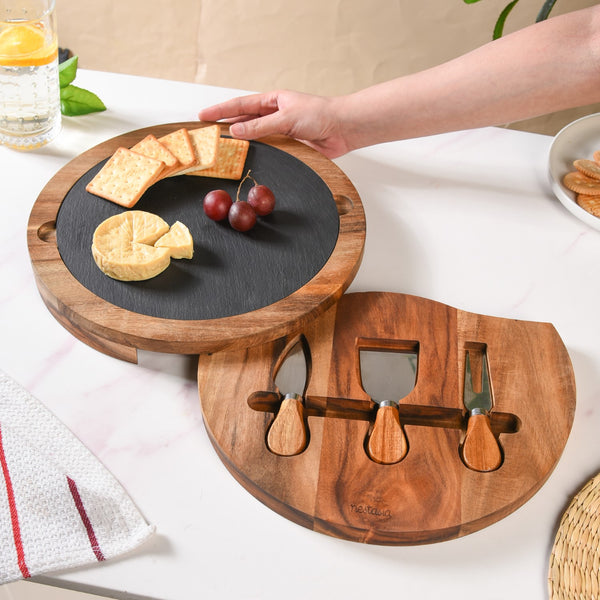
26 46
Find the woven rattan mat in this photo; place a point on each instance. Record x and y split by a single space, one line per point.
575 560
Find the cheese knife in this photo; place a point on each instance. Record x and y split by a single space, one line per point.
481 451
387 377
287 435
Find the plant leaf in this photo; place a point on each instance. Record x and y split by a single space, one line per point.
67 71
76 101
545 10
470 1
499 27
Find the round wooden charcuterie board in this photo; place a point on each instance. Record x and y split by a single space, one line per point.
239 288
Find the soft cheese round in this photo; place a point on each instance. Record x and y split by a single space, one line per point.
123 246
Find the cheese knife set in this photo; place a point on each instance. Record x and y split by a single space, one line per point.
376 417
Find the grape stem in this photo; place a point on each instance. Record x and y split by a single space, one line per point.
246 176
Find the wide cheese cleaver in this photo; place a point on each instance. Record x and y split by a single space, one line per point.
387 376
287 435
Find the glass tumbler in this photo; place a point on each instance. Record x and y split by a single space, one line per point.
29 87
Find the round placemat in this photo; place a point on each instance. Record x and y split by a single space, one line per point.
574 572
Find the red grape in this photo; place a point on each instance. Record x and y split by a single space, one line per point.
242 216
217 204
262 199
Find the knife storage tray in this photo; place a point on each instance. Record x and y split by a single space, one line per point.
333 487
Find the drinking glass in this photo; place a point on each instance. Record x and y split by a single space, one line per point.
29 87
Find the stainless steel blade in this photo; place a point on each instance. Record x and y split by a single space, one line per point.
481 401
387 376
291 376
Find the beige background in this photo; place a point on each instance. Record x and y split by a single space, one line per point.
320 46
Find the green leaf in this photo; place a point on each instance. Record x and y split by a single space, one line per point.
499 28
470 1
545 10
76 101
67 71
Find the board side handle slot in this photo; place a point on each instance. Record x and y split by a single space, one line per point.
343 204
47 232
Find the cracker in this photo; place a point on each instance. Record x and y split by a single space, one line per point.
581 184
125 177
588 167
205 141
179 143
151 147
589 203
596 156
231 157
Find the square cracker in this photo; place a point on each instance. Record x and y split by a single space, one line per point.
179 143
205 141
151 147
231 158
125 177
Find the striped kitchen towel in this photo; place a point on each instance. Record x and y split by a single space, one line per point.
59 506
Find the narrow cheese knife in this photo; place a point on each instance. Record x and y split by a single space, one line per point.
287 435
481 451
387 377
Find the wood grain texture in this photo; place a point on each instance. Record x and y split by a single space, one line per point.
430 495
480 449
387 443
121 332
287 435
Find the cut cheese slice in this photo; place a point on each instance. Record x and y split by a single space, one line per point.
178 240
123 246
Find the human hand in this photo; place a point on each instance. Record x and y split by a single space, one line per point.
311 119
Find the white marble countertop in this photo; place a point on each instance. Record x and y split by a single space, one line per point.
467 219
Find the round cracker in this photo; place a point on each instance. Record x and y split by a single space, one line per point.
589 203
579 183
588 167
596 156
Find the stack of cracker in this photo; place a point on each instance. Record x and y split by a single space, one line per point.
585 182
129 172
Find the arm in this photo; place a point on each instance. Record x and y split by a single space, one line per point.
549 66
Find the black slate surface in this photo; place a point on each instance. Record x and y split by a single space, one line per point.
231 273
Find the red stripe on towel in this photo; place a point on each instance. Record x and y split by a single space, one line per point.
14 517
85 519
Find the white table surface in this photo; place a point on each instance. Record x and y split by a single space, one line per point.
467 219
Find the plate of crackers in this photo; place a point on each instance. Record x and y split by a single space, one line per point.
574 165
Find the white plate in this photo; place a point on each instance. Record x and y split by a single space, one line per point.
579 139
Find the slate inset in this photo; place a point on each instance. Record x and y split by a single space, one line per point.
231 273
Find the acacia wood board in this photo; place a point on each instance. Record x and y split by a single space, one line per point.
333 487
239 289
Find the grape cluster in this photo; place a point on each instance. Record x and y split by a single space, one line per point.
218 205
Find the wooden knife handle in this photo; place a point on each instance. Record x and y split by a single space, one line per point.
287 435
387 443
481 451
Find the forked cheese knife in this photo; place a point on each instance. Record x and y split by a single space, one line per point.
481 451
287 435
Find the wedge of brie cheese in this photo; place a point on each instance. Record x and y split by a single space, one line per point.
123 246
178 240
